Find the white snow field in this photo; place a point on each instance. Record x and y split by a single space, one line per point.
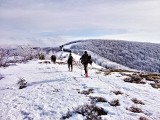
52 91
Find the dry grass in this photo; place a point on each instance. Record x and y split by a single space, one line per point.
136 101
44 62
97 99
117 92
109 71
67 115
155 85
134 78
86 92
135 109
61 63
91 112
22 83
151 77
140 77
143 118
47 62
114 103
98 72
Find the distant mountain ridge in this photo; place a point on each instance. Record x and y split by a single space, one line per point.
135 55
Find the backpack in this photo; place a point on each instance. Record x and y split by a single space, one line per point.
89 59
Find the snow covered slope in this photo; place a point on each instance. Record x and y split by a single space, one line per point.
52 91
99 59
136 55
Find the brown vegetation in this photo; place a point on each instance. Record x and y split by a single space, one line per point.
135 109
61 63
109 71
86 92
134 78
117 92
136 101
143 118
140 77
91 112
114 103
151 77
47 62
97 99
155 85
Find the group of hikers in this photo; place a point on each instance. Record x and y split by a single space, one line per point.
85 60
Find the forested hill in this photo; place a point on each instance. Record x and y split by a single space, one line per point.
136 55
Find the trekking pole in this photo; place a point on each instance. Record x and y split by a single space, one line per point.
80 67
81 70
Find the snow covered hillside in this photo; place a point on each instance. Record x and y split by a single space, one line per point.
98 59
54 93
136 55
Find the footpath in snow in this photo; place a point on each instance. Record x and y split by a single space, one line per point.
52 91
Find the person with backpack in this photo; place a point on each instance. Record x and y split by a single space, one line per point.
70 62
85 59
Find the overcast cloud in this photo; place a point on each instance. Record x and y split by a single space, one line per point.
54 22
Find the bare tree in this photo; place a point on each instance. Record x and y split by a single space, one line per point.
4 55
26 52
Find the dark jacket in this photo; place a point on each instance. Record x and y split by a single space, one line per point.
84 58
70 59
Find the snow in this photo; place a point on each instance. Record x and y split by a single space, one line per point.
101 60
52 91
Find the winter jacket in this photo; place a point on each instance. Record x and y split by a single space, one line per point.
84 58
70 59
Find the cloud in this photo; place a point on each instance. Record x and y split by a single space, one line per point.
51 19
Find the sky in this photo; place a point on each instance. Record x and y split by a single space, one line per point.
54 22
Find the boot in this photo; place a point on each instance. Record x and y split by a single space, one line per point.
86 74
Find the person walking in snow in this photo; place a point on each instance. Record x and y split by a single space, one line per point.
85 60
70 62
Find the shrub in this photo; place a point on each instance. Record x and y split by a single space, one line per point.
22 83
41 56
109 71
135 109
135 78
4 55
136 101
155 85
87 92
143 118
61 63
114 103
47 62
68 115
151 77
117 92
90 112
97 99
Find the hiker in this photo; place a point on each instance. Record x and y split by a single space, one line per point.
70 62
85 59
53 59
